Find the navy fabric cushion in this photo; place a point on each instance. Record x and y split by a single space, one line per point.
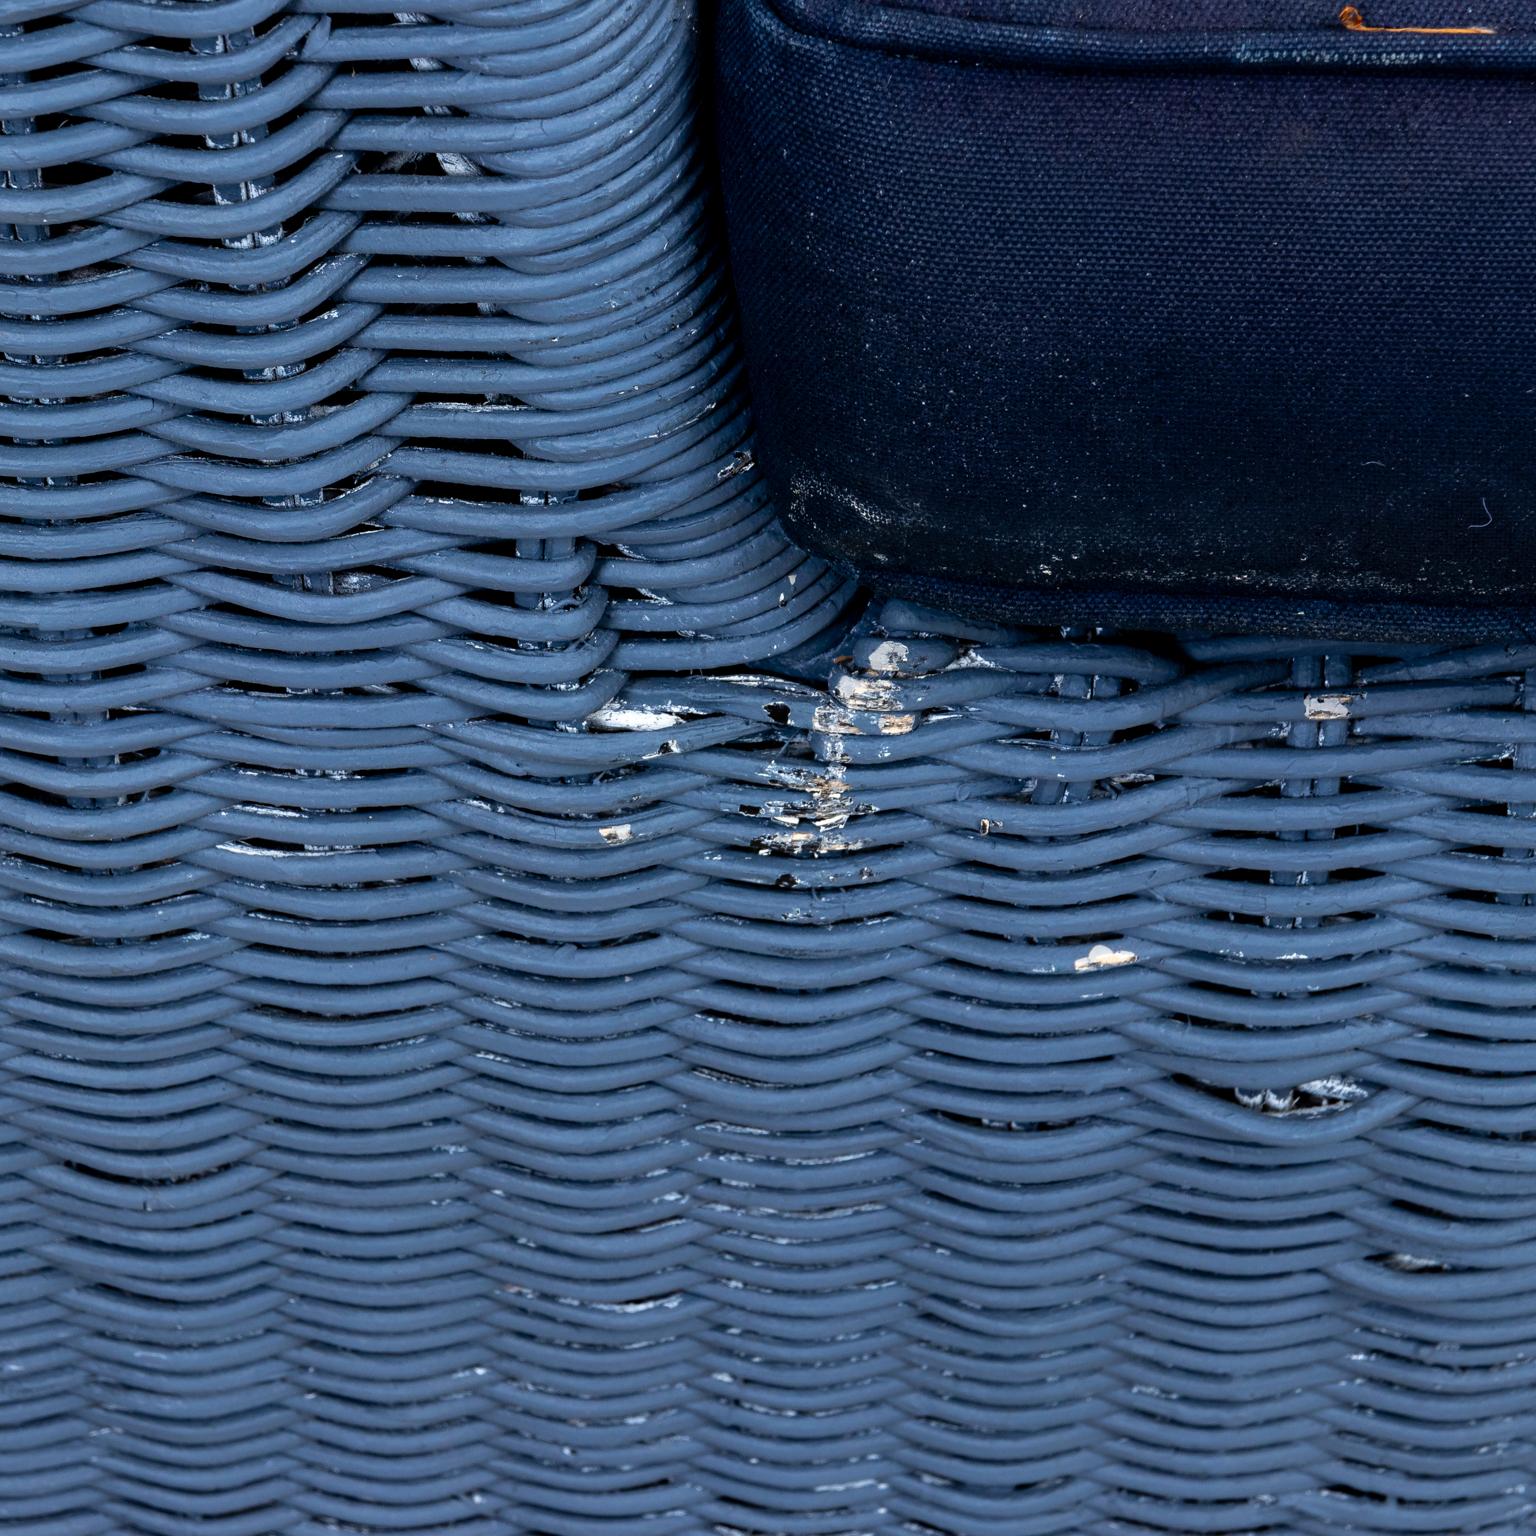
1155 312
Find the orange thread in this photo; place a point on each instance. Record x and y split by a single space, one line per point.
1355 22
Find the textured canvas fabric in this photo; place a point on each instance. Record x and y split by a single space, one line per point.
1180 312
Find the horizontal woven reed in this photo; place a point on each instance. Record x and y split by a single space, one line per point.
527 1010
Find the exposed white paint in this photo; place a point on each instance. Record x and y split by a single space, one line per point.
1103 958
818 842
1329 706
867 692
889 656
619 717
1319 1096
1412 1263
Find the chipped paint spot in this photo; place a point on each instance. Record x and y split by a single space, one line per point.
889 656
831 821
806 842
740 463
969 658
1322 1095
832 721
866 692
1329 706
615 835
1102 958
812 781
618 717
276 853
1412 1263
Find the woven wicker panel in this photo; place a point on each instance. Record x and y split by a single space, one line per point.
528 1011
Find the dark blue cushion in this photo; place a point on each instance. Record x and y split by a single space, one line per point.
1149 312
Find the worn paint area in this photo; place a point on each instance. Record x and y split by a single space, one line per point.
1329 706
1102 957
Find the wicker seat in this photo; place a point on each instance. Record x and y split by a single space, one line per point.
530 1009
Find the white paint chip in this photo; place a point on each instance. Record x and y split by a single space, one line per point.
618 717
619 834
889 656
1329 706
1102 958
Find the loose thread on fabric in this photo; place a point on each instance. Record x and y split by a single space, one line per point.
1353 21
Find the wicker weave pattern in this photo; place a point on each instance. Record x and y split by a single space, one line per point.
524 1015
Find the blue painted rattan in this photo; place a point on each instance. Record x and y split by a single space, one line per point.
528 1012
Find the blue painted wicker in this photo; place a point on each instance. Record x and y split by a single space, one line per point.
528 1012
